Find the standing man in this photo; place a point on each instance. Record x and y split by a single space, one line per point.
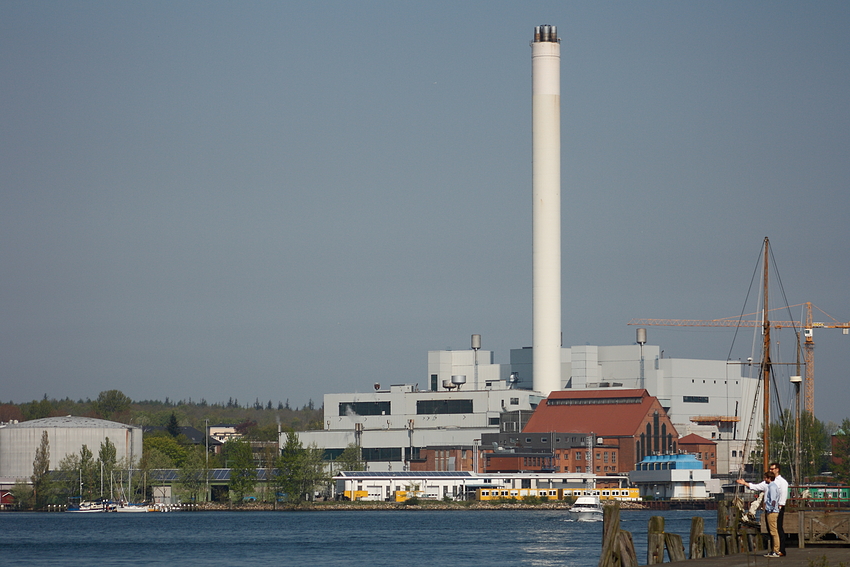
782 485
771 510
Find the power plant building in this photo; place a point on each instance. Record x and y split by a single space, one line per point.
466 393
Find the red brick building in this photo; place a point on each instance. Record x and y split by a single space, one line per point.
444 459
626 424
703 449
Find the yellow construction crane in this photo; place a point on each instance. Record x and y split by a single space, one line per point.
808 344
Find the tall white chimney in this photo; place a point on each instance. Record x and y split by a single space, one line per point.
546 208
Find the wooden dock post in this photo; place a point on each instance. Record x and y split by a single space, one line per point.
655 541
702 545
618 548
658 540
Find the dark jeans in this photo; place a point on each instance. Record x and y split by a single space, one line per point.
779 528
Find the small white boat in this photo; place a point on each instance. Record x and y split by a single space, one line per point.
586 509
125 507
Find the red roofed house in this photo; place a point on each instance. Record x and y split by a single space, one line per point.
630 422
703 449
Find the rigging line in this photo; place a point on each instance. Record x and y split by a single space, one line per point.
782 290
782 421
744 306
748 438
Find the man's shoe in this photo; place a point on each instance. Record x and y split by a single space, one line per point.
771 554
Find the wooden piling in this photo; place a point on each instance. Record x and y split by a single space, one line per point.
618 548
655 541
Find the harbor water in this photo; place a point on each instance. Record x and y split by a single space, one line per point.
436 538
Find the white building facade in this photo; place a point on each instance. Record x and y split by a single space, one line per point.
391 426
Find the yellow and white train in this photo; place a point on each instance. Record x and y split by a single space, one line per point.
622 494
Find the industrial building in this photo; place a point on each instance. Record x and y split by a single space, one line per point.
392 426
66 435
672 477
708 398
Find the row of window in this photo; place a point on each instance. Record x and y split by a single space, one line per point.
592 401
423 407
557 439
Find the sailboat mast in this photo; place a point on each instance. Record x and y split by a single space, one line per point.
765 366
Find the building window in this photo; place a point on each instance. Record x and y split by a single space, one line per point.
514 401
381 454
695 399
493 421
434 383
544 439
428 407
364 408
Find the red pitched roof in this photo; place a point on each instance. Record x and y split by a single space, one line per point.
601 412
694 439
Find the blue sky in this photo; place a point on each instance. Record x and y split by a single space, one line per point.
276 200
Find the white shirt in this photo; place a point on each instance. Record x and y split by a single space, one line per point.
781 483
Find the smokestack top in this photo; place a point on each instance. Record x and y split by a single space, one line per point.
546 33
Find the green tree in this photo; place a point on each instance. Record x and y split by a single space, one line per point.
173 427
107 457
41 482
814 445
89 474
111 403
67 485
288 470
37 409
349 459
841 453
23 495
313 471
168 446
193 474
299 471
243 472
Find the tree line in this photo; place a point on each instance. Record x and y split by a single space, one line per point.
114 405
294 473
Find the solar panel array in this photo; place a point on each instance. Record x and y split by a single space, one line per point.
405 474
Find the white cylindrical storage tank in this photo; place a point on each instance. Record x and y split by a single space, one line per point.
546 209
641 336
66 435
459 380
476 342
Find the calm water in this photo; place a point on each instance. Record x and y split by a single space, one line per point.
392 538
